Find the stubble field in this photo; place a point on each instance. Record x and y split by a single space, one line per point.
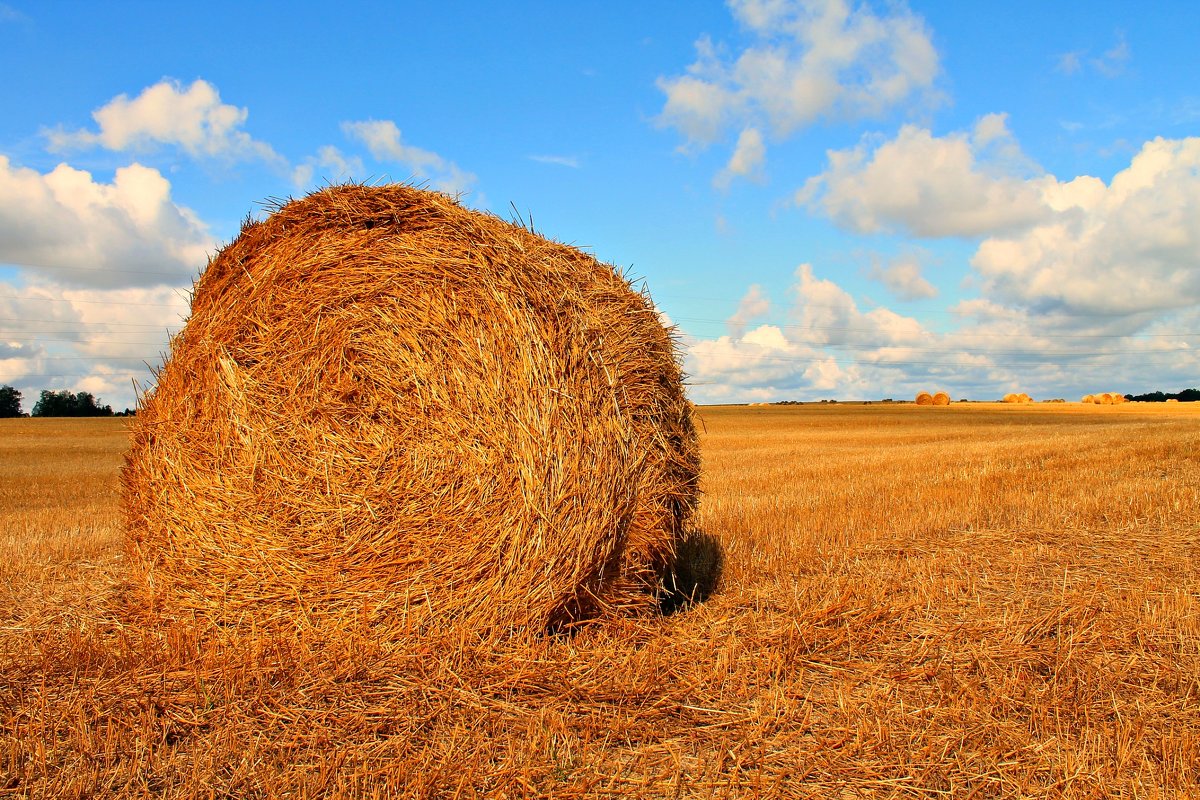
969 601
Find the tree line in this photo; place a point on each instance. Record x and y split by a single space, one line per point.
1185 396
57 404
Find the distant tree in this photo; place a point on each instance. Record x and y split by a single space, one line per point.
10 402
1185 396
69 404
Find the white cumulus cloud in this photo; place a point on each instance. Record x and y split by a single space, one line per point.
127 232
958 185
95 340
168 113
809 59
330 165
828 346
747 161
903 278
383 140
754 304
1127 247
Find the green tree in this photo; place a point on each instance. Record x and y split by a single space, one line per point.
67 404
10 402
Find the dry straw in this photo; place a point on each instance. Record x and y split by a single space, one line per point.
1105 398
924 399
389 407
941 399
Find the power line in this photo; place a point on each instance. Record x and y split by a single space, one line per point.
88 302
80 322
142 359
988 334
925 310
883 363
709 320
819 357
107 270
866 349
9 338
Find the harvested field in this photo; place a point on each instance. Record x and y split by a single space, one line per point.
1022 621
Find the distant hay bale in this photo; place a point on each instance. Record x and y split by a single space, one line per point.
1012 397
389 407
1087 398
1105 399
1024 398
1118 398
924 399
941 399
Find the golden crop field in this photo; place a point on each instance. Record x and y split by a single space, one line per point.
963 601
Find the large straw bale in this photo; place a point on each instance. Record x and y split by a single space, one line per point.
941 399
1105 398
924 399
387 406
1012 397
1087 398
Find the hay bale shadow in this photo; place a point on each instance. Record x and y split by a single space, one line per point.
695 574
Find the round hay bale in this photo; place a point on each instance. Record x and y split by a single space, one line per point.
1024 398
1087 398
941 399
1118 398
1012 397
387 406
1105 398
924 399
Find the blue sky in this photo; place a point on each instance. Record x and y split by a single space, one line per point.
830 200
